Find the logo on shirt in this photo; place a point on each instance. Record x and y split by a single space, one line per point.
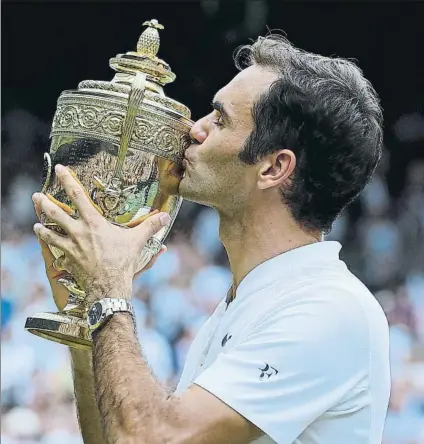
267 371
225 339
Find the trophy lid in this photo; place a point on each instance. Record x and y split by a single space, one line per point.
99 109
145 58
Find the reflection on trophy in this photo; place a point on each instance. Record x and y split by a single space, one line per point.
124 140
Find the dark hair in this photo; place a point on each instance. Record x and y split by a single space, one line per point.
328 114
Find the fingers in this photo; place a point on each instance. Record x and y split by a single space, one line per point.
52 238
99 210
60 293
141 219
151 226
59 263
77 194
52 272
46 253
54 212
66 208
37 208
155 258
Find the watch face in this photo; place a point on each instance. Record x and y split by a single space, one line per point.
95 313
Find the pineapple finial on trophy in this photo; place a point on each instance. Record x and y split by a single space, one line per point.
145 60
149 41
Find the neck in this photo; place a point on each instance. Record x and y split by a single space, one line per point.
258 236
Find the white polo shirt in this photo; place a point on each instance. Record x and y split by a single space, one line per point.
302 352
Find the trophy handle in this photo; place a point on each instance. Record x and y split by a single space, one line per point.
136 96
48 170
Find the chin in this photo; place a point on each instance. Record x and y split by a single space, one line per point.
186 189
192 192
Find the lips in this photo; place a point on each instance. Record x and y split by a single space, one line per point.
187 160
189 156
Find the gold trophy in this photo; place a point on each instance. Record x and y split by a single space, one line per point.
124 140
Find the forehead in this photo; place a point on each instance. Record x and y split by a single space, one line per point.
239 95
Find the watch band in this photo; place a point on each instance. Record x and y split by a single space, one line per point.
113 305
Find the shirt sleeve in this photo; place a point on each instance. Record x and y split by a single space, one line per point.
292 367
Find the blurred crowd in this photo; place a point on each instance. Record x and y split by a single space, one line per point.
383 244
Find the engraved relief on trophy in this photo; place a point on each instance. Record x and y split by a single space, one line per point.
155 132
86 158
121 200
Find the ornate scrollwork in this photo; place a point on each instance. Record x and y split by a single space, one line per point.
166 138
153 132
105 86
86 117
125 89
169 103
143 132
113 124
153 245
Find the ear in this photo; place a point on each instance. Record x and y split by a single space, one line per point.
275 169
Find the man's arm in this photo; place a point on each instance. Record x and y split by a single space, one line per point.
135 408
283 376
87 410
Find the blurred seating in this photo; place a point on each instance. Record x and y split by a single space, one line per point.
383 245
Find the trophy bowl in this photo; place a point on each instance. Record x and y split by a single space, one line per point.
124 141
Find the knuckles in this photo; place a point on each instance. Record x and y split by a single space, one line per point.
75 193
46 235
91 222
51 212
152 226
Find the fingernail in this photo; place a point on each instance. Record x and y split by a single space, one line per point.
36 197
37 227
165 219
59 168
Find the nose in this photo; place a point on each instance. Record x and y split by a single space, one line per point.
198 131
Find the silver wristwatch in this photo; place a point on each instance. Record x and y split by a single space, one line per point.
102 310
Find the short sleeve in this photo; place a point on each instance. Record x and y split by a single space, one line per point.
295 365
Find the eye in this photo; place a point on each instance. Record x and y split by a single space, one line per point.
218 121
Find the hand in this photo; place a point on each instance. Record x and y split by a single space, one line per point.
61 293
101 256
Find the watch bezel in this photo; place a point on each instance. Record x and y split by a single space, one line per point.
109 306
100 318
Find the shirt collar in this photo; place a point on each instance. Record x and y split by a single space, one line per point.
273 269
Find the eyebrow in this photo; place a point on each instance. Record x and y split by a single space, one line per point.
219 106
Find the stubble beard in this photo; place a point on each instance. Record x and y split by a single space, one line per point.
192 191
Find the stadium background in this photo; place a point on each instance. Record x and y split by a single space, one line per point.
48 47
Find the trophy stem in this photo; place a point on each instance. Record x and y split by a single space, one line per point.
69 326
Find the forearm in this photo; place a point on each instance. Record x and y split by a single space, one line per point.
133 405
87 410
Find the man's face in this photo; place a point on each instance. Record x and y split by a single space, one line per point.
214 175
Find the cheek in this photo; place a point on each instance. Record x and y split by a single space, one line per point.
222 146
217 158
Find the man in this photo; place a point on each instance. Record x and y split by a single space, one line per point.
298 352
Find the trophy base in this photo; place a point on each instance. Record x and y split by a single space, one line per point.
62 328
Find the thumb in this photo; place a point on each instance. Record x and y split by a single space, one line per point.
47 254
50 262
151 226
